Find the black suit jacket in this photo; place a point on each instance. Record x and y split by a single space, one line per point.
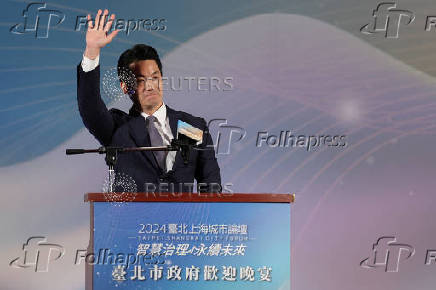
117 128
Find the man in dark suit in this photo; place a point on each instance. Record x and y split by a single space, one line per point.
149 122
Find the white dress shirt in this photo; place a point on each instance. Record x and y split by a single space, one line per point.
163 123
89 64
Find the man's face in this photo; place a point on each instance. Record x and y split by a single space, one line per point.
148 94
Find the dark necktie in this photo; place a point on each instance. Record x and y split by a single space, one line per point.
156 140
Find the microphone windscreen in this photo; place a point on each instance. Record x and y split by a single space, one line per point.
189 131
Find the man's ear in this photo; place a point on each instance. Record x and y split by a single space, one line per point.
124 88
127 91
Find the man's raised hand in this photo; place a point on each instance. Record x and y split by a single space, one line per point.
97 34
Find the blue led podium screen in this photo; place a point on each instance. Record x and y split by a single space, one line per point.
191 246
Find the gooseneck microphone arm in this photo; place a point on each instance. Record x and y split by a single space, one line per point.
183 145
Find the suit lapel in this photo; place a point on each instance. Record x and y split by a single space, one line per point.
141 138
173 117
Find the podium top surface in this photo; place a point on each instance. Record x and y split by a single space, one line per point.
190 197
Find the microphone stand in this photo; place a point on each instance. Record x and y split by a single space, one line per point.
112 152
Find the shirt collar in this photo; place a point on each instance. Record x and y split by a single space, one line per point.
160 114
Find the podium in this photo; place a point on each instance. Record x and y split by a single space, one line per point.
188 241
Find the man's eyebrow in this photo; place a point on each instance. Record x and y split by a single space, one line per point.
153 73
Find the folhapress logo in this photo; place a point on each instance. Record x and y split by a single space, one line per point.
38 254
387 254
226 136
38 20
386 18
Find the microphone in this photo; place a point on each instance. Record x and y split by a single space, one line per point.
74 151
187 136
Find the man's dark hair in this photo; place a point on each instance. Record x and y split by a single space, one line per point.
137 52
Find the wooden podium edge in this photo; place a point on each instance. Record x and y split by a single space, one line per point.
190 197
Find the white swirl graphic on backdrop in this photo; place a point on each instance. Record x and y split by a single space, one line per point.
111 83
124 188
